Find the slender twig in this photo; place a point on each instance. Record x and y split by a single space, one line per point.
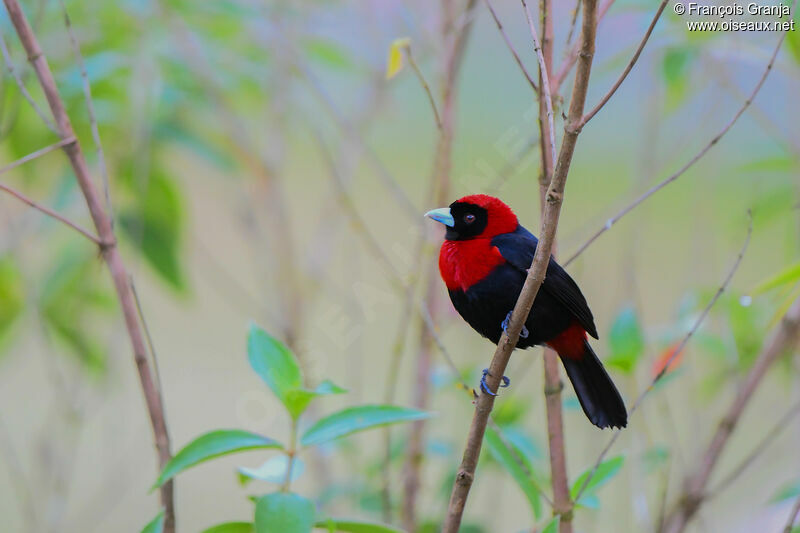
49 212
793 514
760 448
21 85
588 116
556 440
425 86
455 38
150 344
511 47
675 353
87 93
537 47
782 337
572 56
533 281
650 192
109 248
572 25
38 153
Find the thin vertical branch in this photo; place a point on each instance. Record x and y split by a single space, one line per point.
543 68
87 93
511 47
109 249
456 41
554 198
425 87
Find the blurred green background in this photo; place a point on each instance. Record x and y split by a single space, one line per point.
212 116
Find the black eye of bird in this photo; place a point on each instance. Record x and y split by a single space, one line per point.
469 218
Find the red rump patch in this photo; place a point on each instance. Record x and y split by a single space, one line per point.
465 263
569 343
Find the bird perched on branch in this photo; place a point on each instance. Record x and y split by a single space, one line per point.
484 262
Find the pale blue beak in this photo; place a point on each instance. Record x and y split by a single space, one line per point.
442 215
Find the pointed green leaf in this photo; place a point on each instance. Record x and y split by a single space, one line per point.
274 363
605 471
787 492
211 445
793 40
353 526
510 460
355 419
790 274
626 340
156 525
155 226
232 527
282 512
328 52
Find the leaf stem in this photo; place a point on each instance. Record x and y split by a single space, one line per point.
291 453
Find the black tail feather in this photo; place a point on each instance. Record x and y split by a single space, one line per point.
598 395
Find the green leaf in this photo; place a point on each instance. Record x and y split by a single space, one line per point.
675 67
747 329
780 163
274 363
282 512
211 445
790 274
328 53
607 470
273 470
155 226
156 525
787 492
511 462
73 303
626 341
352 526
279 369
11 296
793 40
355 419
297 400
552 525
231 527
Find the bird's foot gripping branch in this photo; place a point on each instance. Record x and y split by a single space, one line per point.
484 262
278 367
485 388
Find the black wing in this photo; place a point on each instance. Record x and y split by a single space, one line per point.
518 248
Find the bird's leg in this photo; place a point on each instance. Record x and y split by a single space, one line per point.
504 324
485 387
